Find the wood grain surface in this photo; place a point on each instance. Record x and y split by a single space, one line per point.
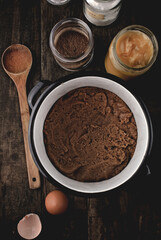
132 211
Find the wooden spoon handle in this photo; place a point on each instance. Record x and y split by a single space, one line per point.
33 173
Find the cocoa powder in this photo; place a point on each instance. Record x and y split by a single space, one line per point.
16 59
72 43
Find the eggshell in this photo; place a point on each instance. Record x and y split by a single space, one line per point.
29 227
56 202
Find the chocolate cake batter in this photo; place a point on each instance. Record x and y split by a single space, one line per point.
90 134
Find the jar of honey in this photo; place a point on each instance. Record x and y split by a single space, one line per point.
132 52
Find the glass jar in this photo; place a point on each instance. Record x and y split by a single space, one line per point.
101 12
58 2
132 52
71 42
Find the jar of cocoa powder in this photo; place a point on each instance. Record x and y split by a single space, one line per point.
71 43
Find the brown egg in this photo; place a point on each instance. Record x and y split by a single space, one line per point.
56 202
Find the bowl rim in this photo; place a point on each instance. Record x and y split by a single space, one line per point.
84 187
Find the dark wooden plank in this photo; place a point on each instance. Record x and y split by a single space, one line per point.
74 223
17 21
50 15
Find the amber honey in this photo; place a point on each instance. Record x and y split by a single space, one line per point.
132 52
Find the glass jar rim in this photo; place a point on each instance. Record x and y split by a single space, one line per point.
59 3
110 4
70 21
149 34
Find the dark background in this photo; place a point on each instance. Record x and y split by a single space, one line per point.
133 211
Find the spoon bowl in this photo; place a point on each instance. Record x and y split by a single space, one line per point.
17 61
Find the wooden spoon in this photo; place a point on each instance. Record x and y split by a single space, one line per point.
17 61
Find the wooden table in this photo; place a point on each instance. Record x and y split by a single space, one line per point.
133 211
